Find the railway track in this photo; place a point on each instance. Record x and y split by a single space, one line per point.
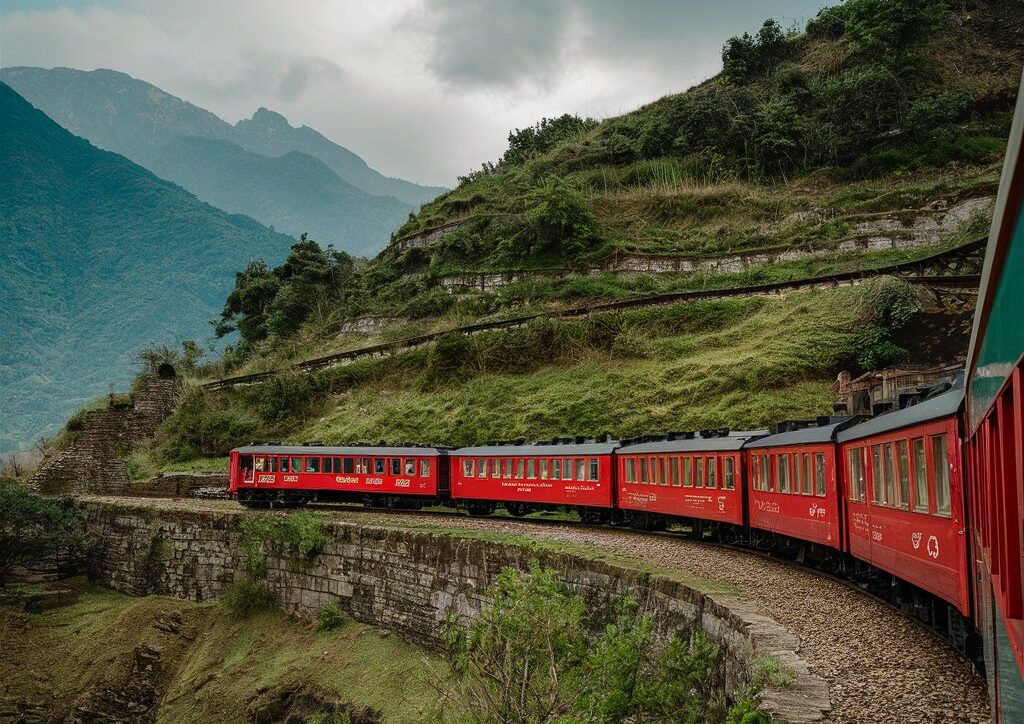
913 272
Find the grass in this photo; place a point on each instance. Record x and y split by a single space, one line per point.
218 666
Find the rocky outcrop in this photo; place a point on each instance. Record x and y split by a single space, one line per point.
92 462
184 485
411 582
424 238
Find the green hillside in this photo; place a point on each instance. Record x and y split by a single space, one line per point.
295 192
821 151
98 258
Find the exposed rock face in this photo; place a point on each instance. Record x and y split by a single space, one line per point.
134 700
411 581
425 238
92 462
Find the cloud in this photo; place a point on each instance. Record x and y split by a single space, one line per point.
271 76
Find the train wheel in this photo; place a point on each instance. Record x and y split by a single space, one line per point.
517 510
480 507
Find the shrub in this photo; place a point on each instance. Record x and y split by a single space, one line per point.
929 117
562 219
300 534
330 617
33 528
247 597
890 306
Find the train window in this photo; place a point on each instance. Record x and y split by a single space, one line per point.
566 469
712 469
581 469
729 477
468 468
674 469
556 469
520 468
366 466
424 468
506 467
531 469
765 480
890 476
410 466
940 469
903 469
378 466
259 464
819 474
395 466
855 469
543 469
698 468
495 466
920 477
630 470
284 465
336 468
798 474
782 472
877 478
312 465
296 465
643 471
325 465
594 471
808 481
687 472
347 465
659 466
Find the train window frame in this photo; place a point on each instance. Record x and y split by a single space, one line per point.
520 468
729 472
424 467
556 469
712 474
629 471
889 472
282 464
782 472
687 472
468 468
495 468
336 468
820 474
326 466
798 474
379 466
942 511
507 468
366 466
698 469
543 472
593 470
312 465
581 469
902 461
531 468
644 479
348 466
766 473
567 468
662 470
808 487
919 466
395 466
259 463
409 465
674 471
877 475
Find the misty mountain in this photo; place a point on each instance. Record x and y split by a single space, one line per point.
98 258
141 122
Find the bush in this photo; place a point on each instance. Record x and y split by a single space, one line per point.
562 219
891 305
33 528
530 657
930 116
247 597
300 534
330 617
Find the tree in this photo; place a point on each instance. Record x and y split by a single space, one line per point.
34 528
525 143
561 219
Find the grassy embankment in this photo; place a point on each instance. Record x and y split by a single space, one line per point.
216 668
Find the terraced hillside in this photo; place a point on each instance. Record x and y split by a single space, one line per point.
876 136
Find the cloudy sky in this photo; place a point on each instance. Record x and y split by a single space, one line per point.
422 89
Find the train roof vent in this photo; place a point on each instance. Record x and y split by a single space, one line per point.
520 441
314 443
607 437
824 420
566 441
580 439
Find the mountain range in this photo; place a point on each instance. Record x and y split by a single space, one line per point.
98 258
293 179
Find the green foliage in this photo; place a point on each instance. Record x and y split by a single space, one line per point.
526 143
531 657
880 26
205 425
892 305
930 117
562 220
34 528
269 303
330 617
247 597
300 534
744 57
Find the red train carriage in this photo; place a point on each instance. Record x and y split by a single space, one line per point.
794 487
905 496
995 441
527 478
264 475
695 478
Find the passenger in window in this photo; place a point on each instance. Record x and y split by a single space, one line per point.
410 467
378 466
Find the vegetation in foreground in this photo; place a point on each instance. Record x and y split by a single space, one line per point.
33 528
532 657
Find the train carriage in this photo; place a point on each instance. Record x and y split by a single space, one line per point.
995 440
527 478
263 475
904 496
696 478
794 485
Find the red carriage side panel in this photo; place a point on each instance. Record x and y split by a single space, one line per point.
557 474
794 491
391 470
698 477
905 496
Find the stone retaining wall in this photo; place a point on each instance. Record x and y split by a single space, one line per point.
182 485
411 581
